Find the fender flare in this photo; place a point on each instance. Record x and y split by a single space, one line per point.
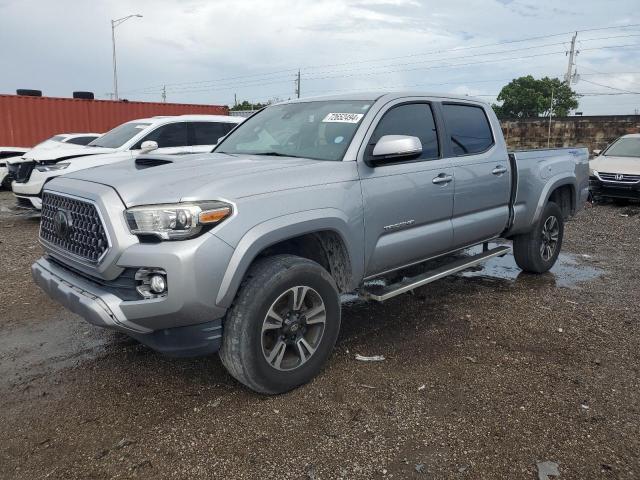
279 229
555 182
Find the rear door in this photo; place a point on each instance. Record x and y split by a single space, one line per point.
204 135
482 174
408 203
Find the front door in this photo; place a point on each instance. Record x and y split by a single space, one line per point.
408 203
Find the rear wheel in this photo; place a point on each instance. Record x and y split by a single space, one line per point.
282 326
538 250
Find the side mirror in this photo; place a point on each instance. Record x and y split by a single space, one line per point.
148 145
597 152
393 147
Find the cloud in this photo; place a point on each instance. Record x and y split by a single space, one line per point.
205 52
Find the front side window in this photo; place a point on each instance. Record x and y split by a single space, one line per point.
319 130
208 133
624 147
171 135
415 120
120 135
468 128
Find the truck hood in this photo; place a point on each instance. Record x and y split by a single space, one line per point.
40 155
173 178
609 164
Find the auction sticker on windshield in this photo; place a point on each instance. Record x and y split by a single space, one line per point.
343 117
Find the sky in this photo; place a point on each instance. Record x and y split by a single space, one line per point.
213 51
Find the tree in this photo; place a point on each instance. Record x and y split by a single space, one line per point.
245 105
527 97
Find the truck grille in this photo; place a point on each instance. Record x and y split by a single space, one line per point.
74 226
619 178
23 171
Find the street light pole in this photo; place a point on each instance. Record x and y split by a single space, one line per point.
114 24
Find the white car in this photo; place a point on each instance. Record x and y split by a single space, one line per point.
165 135
5 154
67 140
61 140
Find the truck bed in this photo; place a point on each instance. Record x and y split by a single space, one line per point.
537 173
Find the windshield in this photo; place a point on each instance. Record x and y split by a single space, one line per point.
624 147
316 130
119 136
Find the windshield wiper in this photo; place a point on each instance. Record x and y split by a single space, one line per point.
273 154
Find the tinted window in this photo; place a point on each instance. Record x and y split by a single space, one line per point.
120 135
172 135
469 129
80 140
415 120
208 133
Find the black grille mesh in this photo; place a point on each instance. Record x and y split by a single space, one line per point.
86 238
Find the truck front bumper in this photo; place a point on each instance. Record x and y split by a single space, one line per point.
178 328
599 188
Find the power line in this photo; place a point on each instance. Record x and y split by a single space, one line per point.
610 87
312 67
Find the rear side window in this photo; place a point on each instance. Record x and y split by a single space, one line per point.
80 140
171 135
416 120
468 128
208 133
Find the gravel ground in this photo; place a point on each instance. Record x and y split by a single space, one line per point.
486 374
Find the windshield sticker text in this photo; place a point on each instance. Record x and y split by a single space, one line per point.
343 117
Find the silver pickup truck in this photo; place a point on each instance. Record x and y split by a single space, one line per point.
246 250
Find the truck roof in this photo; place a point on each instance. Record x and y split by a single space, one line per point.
169 118
390 95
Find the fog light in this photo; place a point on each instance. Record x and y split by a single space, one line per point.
151 282
157 284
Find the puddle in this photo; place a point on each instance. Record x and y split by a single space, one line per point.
568 272
31 351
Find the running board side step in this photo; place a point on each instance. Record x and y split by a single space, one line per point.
411 283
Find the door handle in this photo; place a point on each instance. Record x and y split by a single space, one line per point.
442 178
499 170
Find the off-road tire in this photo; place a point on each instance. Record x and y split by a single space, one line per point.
527 247
242 348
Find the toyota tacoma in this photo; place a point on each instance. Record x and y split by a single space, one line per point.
245 251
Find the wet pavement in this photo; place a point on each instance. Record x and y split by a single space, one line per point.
487 374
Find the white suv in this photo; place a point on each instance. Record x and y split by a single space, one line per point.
165 135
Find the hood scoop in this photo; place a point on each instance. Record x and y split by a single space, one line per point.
142 163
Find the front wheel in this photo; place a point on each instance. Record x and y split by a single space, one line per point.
283 324
538 250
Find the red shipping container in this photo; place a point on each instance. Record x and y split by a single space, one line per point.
25 121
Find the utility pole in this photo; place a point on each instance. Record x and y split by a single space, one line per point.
572 54
550 115
235 99
298 85
164 94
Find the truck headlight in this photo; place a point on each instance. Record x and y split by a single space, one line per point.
176 221
52 167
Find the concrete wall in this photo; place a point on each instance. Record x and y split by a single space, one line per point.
591 132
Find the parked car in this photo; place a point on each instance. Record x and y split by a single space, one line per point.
67 139
5 154
62 140
615 172
245 251
177 134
